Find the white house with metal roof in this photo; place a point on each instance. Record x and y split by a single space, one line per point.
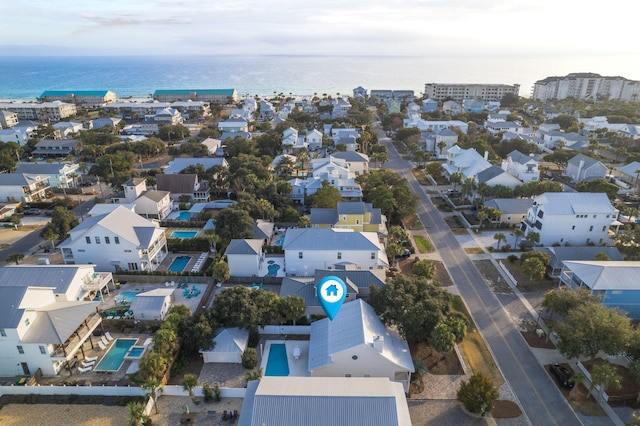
153 304
320 401
23 187
356 162
465 161
357 344
308 249
629 172
40 331
559 255
616 282
522 166
244 257
570 218
118 240
230 344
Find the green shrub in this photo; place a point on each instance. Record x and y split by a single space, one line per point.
249 358
478 394
207 392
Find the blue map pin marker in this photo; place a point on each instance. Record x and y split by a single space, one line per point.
331 292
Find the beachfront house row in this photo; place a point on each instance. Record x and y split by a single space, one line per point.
616 282
357 344
522 166
308 249
115 241
22 187
570 218
244 257
582 167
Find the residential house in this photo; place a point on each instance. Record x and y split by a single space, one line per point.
582 167
214 146
66 129
8 119
289 138
443 140
436 126
186 184
630 131
336 401
499 127
355 215
119 240
340 108
356 162
313 139
512 210
153 304
101 122
267 110
357 344
497 117
224 136
22 187
234 124
55 147
560 254
494 175
308 249
229 345
263 229
39 332
465 161
338 175
572 140
168 116
305 287
149 203
615 282
177 165
18 134
570 218
521 166
244 257
451 107
360 93
429 105
60 175
472 105
143 129
629 173
303 188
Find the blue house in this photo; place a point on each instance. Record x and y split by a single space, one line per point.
615 282
429 105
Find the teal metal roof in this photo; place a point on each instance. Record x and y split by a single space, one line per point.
74 92
228 92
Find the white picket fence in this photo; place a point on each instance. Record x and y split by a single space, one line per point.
598 388
506 273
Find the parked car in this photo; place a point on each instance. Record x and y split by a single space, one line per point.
32 212
562 374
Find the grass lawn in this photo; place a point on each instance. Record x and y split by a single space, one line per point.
412 223
479 358
423 243
473 250
525 284
420 177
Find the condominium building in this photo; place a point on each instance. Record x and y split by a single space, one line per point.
223 96
87 98
586 86
460 92
45 111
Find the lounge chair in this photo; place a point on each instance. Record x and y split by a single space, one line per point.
108 336
104 340
101 345
297 351
90 358
84 370
88 364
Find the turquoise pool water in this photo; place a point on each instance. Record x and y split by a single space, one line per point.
277 364
113 359
126 297
179 263
273 270
183 234
184 216
135 352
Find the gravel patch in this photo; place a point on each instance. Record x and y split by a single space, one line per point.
63 415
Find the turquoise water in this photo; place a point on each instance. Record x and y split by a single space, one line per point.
126 297
183 234
179 263
280 241
273 270
277 364
135 352
113 359
184 216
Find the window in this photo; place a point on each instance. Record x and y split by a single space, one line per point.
43 350
107 240
88 239
577 216
591 228
339 255
573 227
97 240
133 266
604 228
127 251
3 333
347 375
594 216
116 240
299 255
27 322
20 349
357 221
373 255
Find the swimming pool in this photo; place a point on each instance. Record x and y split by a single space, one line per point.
277 364
184 234
126 297
184 216
135 352
179 263
114 358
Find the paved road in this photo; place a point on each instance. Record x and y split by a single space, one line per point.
540 398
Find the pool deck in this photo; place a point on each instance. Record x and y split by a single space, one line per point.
297 367
169 258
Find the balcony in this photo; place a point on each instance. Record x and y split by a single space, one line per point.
569 279
66 350
96 281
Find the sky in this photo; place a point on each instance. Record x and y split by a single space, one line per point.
471 28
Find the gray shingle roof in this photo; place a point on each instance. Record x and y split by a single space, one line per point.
247 246
510 205
487 174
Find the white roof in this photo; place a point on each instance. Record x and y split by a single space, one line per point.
607 275
330 239
231 340
566 203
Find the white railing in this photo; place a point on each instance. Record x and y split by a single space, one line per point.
506 272
171 390
598 388
285 329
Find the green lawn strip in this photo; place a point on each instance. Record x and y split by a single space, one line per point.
423 243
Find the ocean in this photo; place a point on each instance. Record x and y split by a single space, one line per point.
25 78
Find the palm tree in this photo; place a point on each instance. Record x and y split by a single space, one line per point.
154 388
518 233
499 237
189 382
136 413
15 257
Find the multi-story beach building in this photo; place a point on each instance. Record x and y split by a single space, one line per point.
586 86
461 92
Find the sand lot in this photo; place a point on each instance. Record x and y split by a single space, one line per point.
63 415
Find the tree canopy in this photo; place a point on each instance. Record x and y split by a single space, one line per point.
390 193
